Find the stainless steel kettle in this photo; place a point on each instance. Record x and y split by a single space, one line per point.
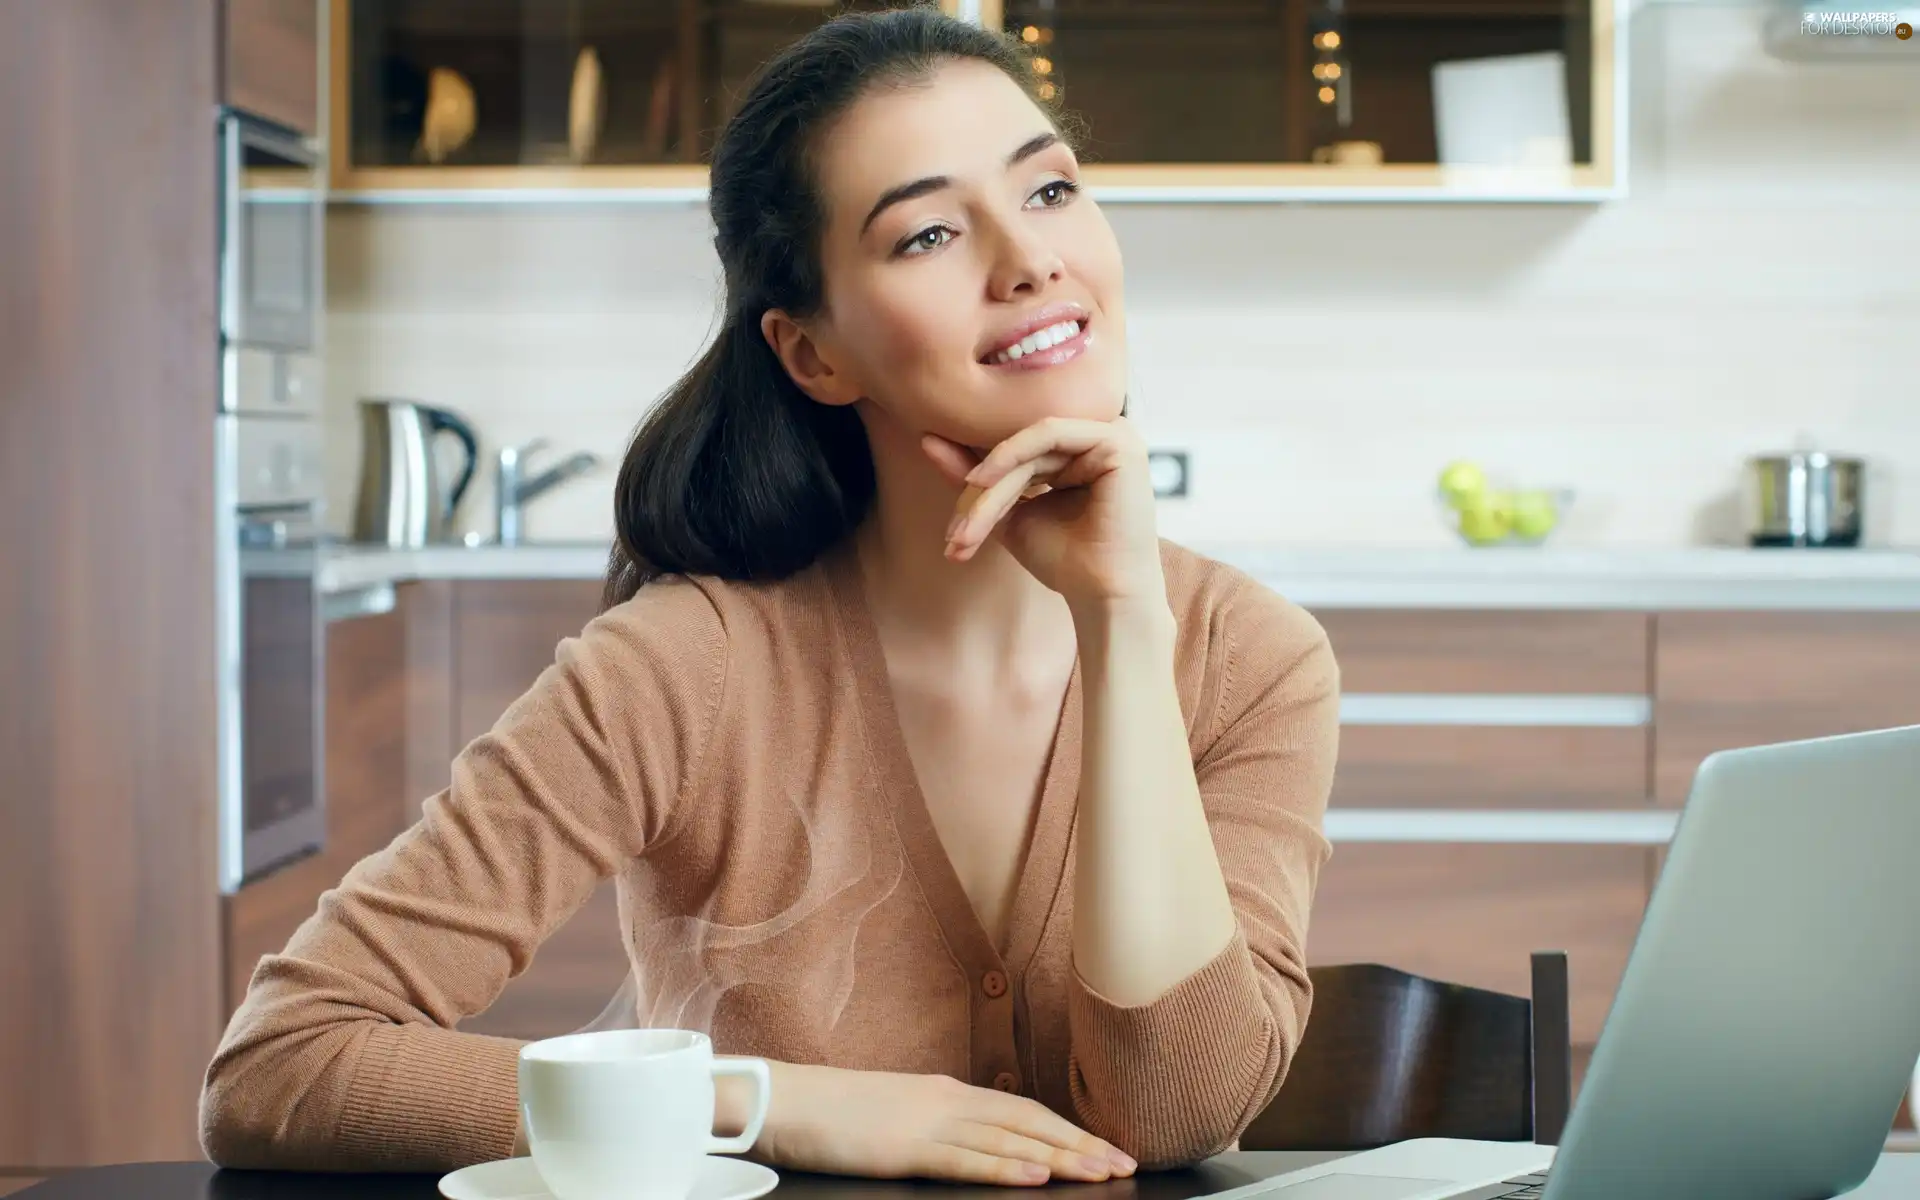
403 503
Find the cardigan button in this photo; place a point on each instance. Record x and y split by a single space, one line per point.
1007 1081
994 984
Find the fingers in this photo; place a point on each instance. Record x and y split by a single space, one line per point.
1033 1119
979 510
1055 434
963 1165
1060 1162
951 458
1066 436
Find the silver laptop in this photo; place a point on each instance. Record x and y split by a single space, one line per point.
1769 1018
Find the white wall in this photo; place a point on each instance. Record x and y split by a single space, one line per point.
1320 362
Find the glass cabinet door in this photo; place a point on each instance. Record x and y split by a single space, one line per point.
450 93
1414 94
1179 99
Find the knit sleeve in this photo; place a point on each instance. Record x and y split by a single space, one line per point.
344 1055
1181 1077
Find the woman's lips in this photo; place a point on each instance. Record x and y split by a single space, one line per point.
1051 356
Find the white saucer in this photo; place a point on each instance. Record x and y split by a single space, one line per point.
720 1178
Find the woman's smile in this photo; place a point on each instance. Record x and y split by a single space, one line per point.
1054 335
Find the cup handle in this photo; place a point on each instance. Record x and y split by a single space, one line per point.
763 1095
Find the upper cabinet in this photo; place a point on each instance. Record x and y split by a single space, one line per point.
1494 98
270 60
485 97
1173 99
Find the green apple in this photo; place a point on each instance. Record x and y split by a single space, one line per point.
1534 515
1487 518
1462 483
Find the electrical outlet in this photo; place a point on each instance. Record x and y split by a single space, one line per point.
1169 471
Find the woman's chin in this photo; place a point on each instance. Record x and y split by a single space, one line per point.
1082 408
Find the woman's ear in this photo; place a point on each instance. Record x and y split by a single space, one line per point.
811 369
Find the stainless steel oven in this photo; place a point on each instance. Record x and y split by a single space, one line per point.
272 214
269 512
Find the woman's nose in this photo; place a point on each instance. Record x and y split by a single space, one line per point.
1023 262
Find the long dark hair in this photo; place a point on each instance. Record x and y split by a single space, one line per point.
736 472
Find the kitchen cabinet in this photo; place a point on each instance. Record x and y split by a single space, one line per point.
109 917
483 96
1471 710
270 60
1179 99
1728 679
1299 95
1473 914
1477 710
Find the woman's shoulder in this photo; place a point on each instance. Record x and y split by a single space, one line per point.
1214 602
704 616
1241 643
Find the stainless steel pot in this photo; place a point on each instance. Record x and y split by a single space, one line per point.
1804 498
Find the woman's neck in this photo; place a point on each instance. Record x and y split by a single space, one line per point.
988 612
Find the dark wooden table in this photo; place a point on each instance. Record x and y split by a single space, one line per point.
1898 1178
201 1181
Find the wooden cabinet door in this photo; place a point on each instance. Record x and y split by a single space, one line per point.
1730 679
505 633
1473 914
1464 709
271 60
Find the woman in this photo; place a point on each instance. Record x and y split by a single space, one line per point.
928 773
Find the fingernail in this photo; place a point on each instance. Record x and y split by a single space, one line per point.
1098 1167
1033 1172
1122 1163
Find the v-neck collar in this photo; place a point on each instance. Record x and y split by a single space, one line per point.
1043 864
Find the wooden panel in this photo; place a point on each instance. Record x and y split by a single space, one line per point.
1474 913
1471 767
427 609
505 634
271 60
1725 680
109 916
1445 651
366 767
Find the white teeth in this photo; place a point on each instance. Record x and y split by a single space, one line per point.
1042 339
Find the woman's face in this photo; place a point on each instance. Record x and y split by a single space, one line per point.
971 289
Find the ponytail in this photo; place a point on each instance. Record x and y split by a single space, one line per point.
736 473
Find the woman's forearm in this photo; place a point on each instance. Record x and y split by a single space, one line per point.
1150 903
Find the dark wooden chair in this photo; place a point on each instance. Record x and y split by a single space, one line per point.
1388 1056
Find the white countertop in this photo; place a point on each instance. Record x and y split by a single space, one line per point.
1540 577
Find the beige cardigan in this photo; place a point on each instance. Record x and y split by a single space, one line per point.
731 754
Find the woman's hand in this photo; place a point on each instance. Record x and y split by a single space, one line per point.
1072 501
929 1126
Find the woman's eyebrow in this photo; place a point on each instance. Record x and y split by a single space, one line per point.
913 190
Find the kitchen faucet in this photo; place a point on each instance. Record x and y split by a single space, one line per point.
513 491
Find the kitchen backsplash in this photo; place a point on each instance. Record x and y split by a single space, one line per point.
1319 362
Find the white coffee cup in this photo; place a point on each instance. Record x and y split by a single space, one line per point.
627 1114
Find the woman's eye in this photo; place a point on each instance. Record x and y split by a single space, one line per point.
1056 193
931 238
